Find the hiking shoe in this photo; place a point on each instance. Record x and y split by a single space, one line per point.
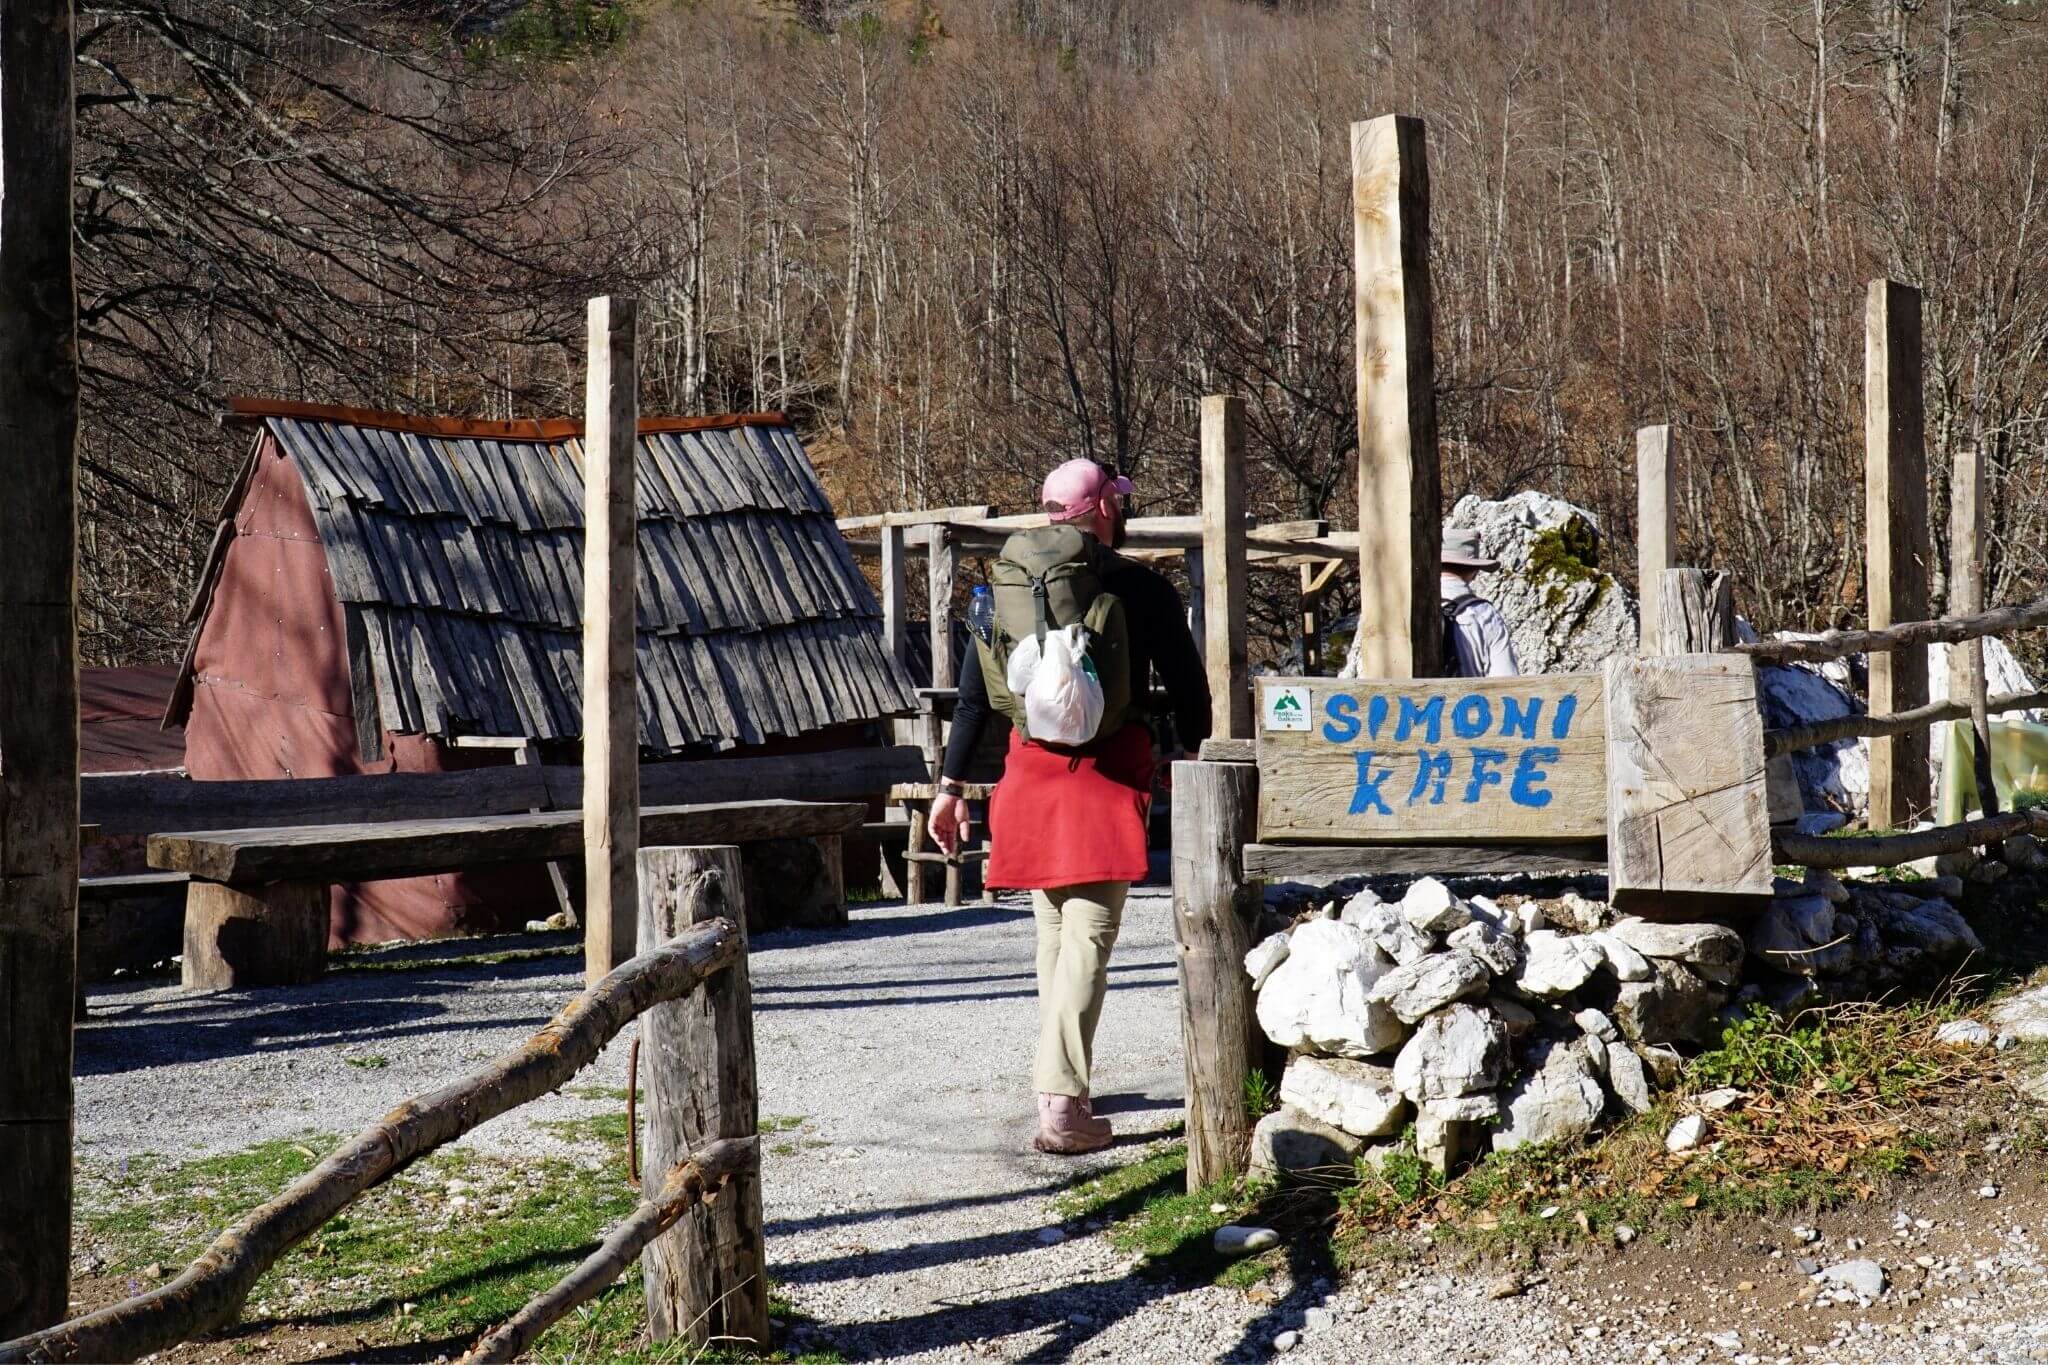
1066 1127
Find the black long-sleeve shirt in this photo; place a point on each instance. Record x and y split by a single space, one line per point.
1158 626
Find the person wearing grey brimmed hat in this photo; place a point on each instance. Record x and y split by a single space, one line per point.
1477 643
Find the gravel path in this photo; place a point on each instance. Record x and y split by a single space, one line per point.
907 1216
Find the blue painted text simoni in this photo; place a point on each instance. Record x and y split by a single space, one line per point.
1464 748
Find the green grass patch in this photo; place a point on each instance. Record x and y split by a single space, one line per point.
368 1062
438 1254
781 1123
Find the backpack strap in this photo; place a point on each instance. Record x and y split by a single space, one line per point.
1038 596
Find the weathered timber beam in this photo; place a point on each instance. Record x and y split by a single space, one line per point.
1838 644
159 803
210 1291
689 1184
1328 862
886 520
1793 738
415 848
1889 850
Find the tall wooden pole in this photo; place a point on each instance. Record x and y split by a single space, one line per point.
611 712
1224 567
1966 598
706 1277
1400 513
38 662
1215 814
1656 524
1898 553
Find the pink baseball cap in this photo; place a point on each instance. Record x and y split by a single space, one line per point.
1073 490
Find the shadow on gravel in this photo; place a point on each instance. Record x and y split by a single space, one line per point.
898 1211
867 1002
1099 1304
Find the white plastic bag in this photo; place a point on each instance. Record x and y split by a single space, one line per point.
1062 696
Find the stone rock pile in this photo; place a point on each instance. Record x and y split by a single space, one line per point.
1481 1024
1828 940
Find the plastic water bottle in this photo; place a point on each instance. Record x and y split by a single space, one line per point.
981 613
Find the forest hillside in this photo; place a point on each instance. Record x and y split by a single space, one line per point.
961 239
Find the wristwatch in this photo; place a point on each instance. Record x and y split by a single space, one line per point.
950 787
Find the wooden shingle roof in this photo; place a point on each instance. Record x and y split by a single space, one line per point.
456 550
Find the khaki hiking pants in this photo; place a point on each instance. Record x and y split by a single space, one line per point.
1077 926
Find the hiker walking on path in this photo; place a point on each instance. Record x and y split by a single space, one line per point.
1078 631
1476 639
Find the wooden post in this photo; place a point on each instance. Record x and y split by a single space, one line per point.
1898 550
941 568
1215 909
1687 811
1315 584
38 662
1695 612
1656 523
706 1277
235 937
1966 598
1224 567
1400 514
611 712
895 587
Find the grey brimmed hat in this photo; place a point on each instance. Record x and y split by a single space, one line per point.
1461 550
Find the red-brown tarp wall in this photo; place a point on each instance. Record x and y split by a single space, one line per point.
271 699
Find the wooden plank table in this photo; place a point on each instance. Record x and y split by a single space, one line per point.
256 912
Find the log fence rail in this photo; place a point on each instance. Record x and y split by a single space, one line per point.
699 892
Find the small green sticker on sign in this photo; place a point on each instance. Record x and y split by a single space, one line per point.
1286 708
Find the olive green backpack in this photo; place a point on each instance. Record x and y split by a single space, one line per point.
1046 580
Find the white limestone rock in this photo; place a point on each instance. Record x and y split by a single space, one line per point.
1580 915
1288 1141
1270 952
1663 1063
1357 1097
1514 1016
1316 1000
1597 1025
1426 986
1531 917
1555 964
1800 935
1625 962
1676 1005
1389 931
1556 1098
1430 908
2024 1016
1461 1050
1595 1049
1443 1141
1485 910
1497 950
1565 613
1685 1134
1629 1079
1713 950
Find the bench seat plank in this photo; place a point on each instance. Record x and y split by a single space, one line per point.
413 848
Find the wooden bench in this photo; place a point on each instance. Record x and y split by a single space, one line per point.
256 911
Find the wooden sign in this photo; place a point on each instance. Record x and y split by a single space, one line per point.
1441 760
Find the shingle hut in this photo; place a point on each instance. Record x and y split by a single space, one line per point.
387 593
